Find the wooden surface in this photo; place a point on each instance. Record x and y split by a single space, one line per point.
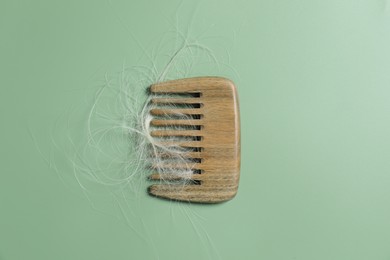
216 143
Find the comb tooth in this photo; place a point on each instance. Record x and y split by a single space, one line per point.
194 144
168 177
173 88
196 193
159 133
190 122
189 165
176 101
173 192
193 155
168 111
173 177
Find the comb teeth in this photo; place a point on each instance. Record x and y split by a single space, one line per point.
197 140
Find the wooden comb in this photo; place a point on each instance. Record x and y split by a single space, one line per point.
210 104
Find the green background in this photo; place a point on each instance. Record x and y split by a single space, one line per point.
314 83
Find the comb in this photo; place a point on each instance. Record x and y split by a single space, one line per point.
207 110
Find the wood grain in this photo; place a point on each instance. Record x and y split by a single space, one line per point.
219 142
